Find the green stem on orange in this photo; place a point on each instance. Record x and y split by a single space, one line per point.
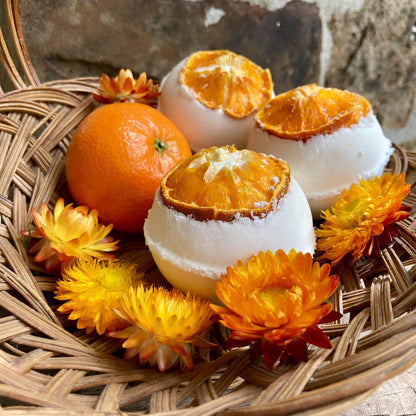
159 145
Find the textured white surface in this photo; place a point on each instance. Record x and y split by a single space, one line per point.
395 397
325 165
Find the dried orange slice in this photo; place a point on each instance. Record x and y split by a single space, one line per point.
223 80
306 111
222 183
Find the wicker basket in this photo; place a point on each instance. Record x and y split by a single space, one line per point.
48 368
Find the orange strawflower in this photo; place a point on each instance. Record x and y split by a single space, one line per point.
92 290
69 233
163 326
124 87
275 302
362 219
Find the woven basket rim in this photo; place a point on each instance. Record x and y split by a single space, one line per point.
47 366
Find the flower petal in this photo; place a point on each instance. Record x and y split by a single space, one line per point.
316 336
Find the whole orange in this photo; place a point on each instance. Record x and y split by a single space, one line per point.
117 159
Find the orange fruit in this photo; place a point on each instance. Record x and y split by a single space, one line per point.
224 80
117 158
306 111
220 183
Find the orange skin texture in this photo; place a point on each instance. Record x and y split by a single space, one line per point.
112 163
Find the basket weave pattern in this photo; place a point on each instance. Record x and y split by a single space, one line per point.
47 367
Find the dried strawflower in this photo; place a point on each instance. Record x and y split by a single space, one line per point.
274 303
362 220
92 290
124 87
69 233
163 326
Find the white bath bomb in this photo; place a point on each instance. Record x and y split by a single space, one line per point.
324 164
212 97
192 249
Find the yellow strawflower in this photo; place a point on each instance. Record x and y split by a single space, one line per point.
69 233
362 219
164 325
93 290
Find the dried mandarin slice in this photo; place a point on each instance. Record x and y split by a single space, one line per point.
220 183
224 80
306 111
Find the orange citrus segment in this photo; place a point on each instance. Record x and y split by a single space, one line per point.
227 81
309 110
220 183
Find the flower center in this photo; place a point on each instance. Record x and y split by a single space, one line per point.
282 303
71 224
114 280
355 212
270 294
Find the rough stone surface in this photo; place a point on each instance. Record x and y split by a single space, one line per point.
86 38
366 46
374 53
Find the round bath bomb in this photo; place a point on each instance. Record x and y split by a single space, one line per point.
212 97
329 137
220 206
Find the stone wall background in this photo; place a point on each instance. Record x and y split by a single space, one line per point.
366 46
